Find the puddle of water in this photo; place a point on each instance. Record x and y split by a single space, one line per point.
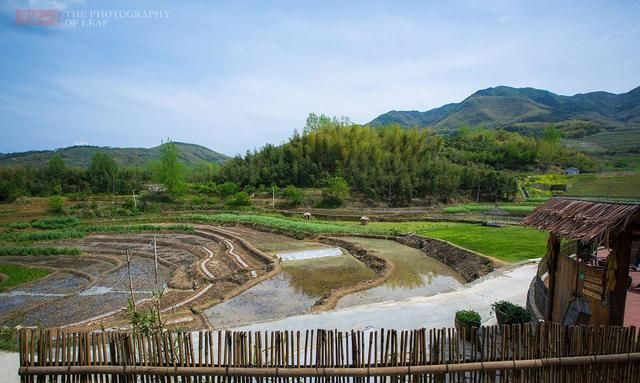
415 274
310 254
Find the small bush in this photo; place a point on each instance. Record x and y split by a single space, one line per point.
512 313
240 199
8 339
469 318
56 204
293 195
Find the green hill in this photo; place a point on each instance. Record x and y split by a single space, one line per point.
80 156
595 117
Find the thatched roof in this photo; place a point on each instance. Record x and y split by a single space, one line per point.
582 220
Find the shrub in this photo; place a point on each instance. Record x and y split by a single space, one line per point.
240 199
226 189
334 193
293 195
8 339
468 317
511 313
56 204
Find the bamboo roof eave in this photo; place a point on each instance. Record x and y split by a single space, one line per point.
582 220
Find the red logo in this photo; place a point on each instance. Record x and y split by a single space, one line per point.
37 17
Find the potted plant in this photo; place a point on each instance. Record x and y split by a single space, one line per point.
467 319
509 313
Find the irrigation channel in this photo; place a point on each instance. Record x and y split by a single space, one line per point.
233 276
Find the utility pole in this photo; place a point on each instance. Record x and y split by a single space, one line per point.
157 298
133 298
273 198
478 194
135 204
113 185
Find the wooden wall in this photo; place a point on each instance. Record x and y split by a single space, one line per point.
590 288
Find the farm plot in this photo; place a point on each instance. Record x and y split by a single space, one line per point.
95 286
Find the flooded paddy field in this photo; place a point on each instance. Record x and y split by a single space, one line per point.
414 274
312 270
292 292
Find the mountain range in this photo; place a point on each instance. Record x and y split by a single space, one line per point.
582 116
80 156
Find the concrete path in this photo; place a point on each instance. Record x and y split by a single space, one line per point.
9 362
431 312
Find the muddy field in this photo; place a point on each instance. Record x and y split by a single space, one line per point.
93 288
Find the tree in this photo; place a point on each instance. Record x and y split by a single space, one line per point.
171 171
55 171
335 191
56 166
293 195
102 172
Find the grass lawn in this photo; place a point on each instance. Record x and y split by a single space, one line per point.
17 275
509 243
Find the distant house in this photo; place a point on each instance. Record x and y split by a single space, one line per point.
156 188
571 170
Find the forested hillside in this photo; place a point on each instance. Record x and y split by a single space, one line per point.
395 164
527 110
80 156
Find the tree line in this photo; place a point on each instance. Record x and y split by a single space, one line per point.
389 163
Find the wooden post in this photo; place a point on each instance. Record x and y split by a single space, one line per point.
157 292
553 251
619 294
133 298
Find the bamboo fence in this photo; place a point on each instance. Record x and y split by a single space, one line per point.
541 352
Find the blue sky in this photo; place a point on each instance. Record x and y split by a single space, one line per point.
234 75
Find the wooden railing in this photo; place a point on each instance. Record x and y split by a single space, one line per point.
518 353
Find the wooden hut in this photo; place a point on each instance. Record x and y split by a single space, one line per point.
364 220
307 215
584 277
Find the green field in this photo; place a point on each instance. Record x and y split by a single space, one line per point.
610 185
17 275
509 244
522 208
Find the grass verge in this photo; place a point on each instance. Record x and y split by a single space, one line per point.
57 235
37 250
